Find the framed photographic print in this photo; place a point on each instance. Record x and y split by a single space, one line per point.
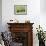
20 9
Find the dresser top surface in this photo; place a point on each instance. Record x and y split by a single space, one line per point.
19 23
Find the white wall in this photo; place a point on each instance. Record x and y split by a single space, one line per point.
33 14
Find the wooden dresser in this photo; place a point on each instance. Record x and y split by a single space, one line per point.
22 33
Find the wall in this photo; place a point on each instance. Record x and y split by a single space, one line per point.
0 15
43 6
33 11
33 14
43 14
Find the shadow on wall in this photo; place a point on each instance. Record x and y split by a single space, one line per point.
0 15
43 6
0 23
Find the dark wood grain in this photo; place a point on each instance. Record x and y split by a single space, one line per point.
23 27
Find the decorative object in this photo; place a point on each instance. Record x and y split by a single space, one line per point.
20 9
45 35
7 38
13 21
1 40
27 21
41 36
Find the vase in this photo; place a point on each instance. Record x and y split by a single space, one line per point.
41 43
